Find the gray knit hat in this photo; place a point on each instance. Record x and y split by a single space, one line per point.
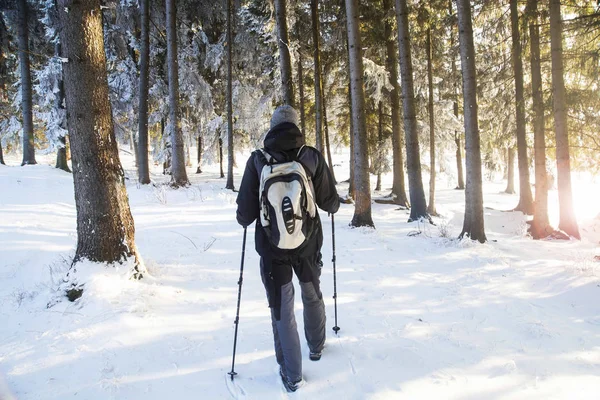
284 114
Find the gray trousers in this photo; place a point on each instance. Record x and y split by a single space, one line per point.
277 278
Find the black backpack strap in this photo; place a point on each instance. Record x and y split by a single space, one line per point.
268 158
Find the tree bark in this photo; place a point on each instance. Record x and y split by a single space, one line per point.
167 150
398 186
222 174
352 184
59 101
327 143
362 209
178 174
567 220
510 171
314 12
431 208
301 81
525 197
413 158
3 70
457 141
459 166
540 226
379 145
229 185
473 226
105 228
284 53
4 42
199 154
143 166
26 96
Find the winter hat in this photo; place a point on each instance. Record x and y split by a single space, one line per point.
284 114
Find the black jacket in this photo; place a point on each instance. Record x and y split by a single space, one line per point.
283 142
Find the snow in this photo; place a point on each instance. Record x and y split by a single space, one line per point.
421 316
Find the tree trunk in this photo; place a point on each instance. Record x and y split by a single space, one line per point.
301 83
178 173
188 145
222 174
525 197
431 208
459 166
199 153
134 147
4 42
26 97
567 220
457 141
379 145
352 184
510 171
415 181
3 70
59 99
167 149
105 228
327 142
284 53
473 226
61 155
143 166
314 11
391 63
229 185
362 208
540 226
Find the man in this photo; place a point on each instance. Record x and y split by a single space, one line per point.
285 143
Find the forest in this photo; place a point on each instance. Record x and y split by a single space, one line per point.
454 129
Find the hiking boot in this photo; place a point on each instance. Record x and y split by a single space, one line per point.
289 385
315 355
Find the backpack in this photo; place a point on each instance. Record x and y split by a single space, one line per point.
287 205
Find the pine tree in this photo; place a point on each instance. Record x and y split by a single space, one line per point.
398 186
300 71
316 29
525 197
26 95
230 146
105 228
362 209
567 220
61 153
473 226
431 207
284 52
143 167
457 136
415 181
540 226
510 171
178 173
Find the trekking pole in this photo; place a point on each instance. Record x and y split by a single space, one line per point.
237 314
336 328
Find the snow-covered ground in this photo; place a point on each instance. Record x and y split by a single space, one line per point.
421 317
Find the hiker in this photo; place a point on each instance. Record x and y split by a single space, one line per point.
294 177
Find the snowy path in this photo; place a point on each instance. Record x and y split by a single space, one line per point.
421 317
